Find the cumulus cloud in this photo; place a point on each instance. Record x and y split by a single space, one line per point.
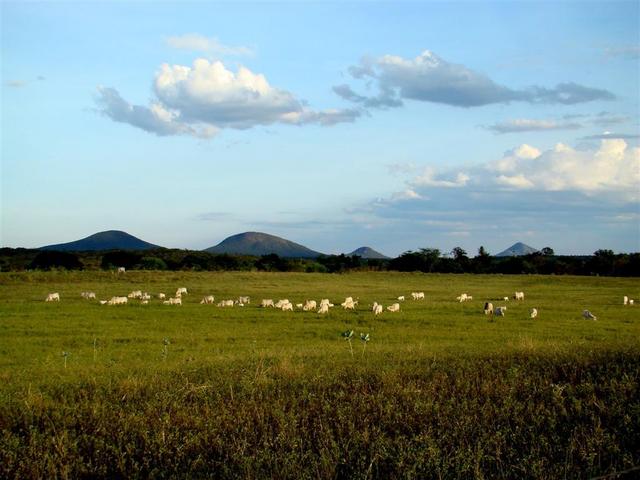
613 167
531 125
429 78
429 178
576 200
199 43
154 119
201 99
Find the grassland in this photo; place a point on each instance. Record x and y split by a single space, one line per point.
440 391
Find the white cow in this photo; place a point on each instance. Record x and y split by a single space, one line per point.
281 302
118 301
121 270
207 299
88 295
349 303
519 296
287 307
244 300
394 307
588 315
533 313
173 301
325 301
401 298
462 297
488 308
135 294
225 303
625 300
181 290
266 302
324 308
506 299
145 297
500 311
417 295
309 305
161 296
377 309
53 297
631 301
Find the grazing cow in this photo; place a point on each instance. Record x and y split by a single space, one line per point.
145 296
118 301
325 301
103 302
506 299
309 305
349 303
225 303
88 295
53 297
588 315
161 296
519 296
533 313
281 302
394 307
625 300
462 297
631 301
121 270
180 291
207 299
245 300
287 307
500 311
135 294
266 302
401 298
324 308
488 308
377 309
417 295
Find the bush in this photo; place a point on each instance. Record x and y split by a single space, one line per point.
51 259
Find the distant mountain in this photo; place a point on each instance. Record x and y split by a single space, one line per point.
368 253
517 250
256 243
109 240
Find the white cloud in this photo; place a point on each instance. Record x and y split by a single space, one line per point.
205 97
199 43
430 78
429 178
612 167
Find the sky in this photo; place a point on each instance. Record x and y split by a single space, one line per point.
399 126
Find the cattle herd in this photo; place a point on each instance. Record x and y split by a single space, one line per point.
309 305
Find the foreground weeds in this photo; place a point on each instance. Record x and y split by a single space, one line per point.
509 415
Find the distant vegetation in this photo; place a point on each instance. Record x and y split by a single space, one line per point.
427 260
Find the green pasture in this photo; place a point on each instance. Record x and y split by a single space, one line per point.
440 391
35 333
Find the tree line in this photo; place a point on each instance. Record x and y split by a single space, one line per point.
428 260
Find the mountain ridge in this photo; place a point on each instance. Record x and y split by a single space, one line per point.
518 249
259 243
107 240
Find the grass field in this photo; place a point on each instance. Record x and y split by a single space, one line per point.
440 391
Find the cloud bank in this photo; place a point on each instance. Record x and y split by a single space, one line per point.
201 99
429 78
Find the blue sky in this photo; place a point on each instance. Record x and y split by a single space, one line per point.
394 125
